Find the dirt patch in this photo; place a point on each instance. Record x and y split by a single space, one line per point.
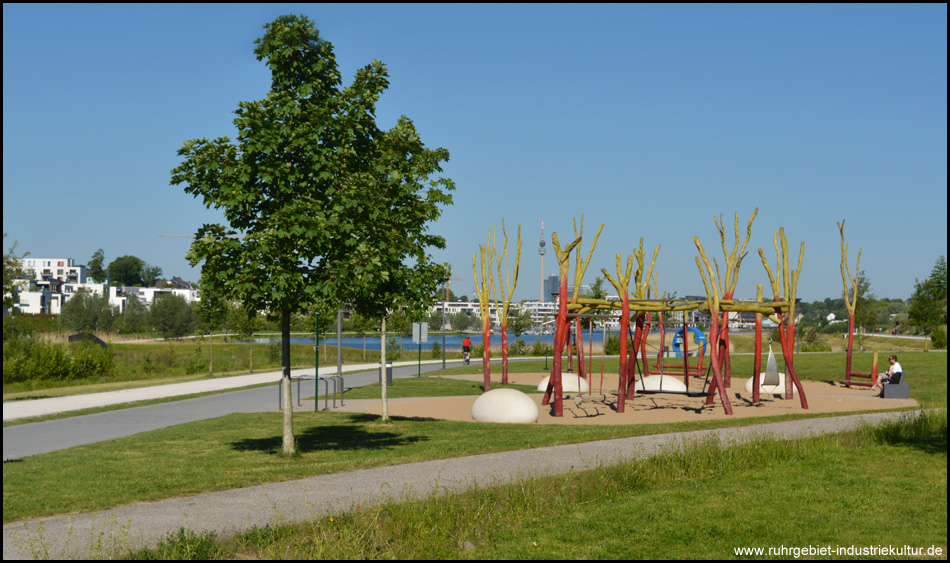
645 409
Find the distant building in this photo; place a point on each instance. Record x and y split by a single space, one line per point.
551 289
61 269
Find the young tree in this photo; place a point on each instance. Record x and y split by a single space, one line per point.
85 312
245 322
150 275
135 316
521 323
327 202
172 316
11 269
212 311
96 270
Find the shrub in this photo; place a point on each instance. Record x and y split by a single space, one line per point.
91 360
540 348
436 353
939 338
273 351
517 348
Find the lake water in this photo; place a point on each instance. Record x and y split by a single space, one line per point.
452 341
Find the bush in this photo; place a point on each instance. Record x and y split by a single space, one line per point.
41 360
939 338
540 348
91 360
517 348
436 352
273 351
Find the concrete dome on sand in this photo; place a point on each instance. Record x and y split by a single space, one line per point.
505 405
570 383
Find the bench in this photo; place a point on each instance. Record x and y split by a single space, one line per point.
896 388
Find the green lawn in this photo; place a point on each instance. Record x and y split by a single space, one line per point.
885 486
242 449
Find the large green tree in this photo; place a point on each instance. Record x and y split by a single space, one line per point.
85 312
126 270
172 316
928 304
328 206
97 266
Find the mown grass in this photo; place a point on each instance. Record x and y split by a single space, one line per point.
242 449
876 486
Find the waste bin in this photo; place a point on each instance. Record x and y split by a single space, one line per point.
389 373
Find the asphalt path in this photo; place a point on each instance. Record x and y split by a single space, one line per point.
42 437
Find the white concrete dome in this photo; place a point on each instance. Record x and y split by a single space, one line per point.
661 383
570 383
780 388
505 405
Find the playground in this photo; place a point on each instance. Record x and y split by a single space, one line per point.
823 397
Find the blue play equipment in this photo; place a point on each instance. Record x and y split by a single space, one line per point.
698 338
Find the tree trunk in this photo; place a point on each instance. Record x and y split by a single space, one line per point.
382 373
289 447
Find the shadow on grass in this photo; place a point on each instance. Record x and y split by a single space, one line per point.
342 437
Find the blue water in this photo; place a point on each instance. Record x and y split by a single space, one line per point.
452 341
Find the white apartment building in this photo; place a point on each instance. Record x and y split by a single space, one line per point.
61 269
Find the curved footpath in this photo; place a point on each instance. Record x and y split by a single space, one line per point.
42 437
232 511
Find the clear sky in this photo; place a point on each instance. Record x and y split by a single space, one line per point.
648 119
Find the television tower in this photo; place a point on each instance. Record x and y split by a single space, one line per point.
541 251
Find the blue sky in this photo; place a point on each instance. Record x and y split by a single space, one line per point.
650 120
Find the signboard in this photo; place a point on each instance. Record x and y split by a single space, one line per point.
420 333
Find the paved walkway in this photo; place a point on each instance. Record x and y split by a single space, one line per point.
232 511
41 407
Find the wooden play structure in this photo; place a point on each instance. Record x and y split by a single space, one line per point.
718 304
851 302
486 287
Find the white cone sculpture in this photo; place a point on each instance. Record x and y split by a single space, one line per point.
770 381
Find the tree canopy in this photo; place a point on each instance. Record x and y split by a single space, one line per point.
126 270
928 304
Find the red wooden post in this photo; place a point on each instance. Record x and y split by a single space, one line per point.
560 338
504 354
624 327
486 354
717 371
643 346
685 347
757 364
580 350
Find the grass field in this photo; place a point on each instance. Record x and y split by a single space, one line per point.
871 488
242 449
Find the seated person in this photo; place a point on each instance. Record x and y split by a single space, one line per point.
887 375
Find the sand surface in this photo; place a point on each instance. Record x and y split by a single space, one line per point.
822 397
